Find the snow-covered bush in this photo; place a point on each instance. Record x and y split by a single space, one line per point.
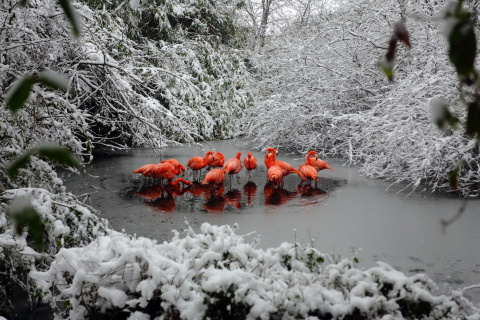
217 274
67 223
163 74
322 90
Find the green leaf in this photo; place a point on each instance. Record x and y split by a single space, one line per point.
71 16
28 217
473 119
20 162
463 48
53 80
19 93
387 68
60 155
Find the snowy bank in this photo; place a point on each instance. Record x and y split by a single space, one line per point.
216 274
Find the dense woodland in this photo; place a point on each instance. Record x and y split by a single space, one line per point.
296 75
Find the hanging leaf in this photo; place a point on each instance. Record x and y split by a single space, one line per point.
462 42
53 80
19 163
60 155
387 69
71 16
27 217
473 119
401 33
19 93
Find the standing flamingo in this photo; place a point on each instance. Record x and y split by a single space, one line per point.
268 159
178 166
198 163
308 173
271 160
215 176
144 168
250 162
233 166
313 160
275 175
219 158
162 171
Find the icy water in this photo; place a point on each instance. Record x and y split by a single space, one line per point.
346 214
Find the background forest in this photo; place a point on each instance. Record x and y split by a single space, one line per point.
295 75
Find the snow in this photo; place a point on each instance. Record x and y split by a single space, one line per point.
189 272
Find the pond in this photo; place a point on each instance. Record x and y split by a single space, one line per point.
345 214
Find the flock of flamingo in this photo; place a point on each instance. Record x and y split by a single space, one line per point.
161 196
277 169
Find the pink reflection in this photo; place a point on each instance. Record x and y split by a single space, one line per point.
277 195
250 190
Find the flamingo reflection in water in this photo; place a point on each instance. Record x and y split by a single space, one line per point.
276 195
309 191
161 197
233 198
250 190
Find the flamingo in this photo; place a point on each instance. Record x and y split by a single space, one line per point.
233 166
250 162
185 182
198 163
215 176
308 173
267 160
219 158
178 166
162 171
271 160
275 175
144 168
313 160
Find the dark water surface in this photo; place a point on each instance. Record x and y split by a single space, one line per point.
346 213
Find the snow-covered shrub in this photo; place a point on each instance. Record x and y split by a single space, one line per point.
322 90
129 85
216 274
68 223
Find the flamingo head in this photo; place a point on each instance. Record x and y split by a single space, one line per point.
239 154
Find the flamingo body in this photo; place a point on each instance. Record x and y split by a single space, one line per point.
308 173
250 161
218 160
233 165
313 160
275 175
215 176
